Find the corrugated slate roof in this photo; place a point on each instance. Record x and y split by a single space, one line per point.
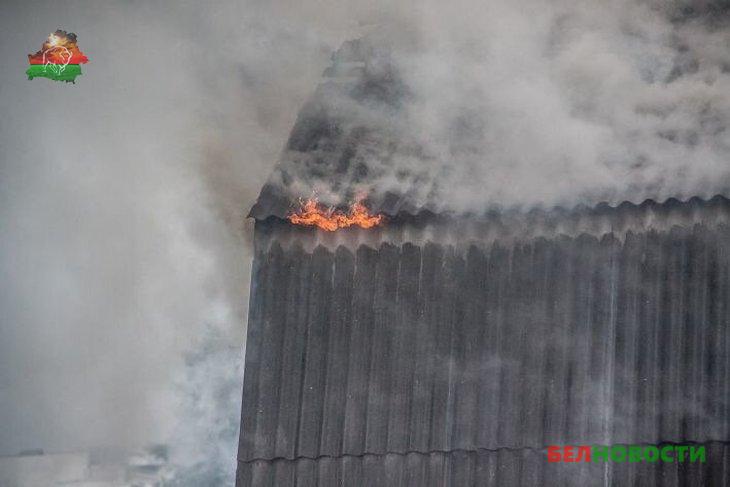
484 468
379 354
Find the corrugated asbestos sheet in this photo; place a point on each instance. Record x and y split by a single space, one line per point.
503 468
423 365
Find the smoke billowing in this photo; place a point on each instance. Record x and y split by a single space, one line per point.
123 207
525 103
123 197
566 102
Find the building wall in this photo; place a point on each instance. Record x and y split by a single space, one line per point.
431 364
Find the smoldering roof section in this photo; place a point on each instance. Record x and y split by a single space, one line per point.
418 123
505 227
350 122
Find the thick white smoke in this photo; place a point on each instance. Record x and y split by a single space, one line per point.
560 102
537 102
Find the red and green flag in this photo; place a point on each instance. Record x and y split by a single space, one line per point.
59 58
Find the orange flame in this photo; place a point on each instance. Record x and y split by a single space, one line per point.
327 218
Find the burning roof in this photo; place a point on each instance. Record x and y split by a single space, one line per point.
313 214
339 132
353 137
